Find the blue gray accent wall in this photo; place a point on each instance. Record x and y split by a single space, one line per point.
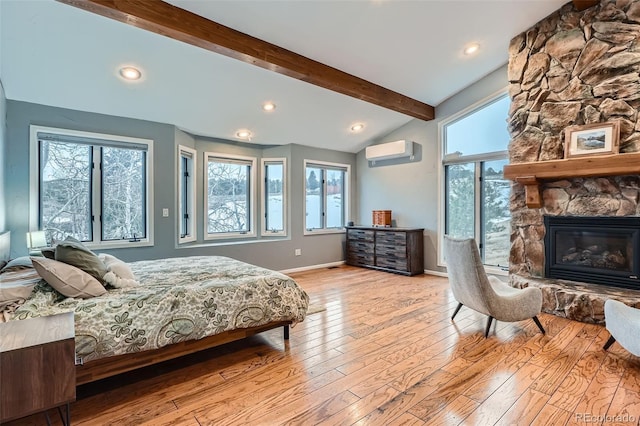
273 253
411 189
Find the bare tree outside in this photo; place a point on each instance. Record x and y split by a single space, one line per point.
66 191
123 194
228 197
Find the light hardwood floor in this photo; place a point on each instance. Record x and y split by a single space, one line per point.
384 352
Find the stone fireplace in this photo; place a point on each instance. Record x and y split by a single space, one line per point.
573 68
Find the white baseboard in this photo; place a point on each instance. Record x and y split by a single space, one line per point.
342 262
310 267
436 273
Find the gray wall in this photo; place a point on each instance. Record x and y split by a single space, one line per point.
271 253
410 189
3 150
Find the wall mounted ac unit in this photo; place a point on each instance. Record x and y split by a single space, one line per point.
386 151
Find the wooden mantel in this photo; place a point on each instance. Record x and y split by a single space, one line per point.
531 174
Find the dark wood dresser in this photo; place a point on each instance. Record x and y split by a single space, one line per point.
37 357
399 250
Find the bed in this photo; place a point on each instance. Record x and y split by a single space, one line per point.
181 305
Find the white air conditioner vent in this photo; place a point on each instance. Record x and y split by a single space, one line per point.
386 151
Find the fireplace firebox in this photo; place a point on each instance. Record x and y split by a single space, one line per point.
599 250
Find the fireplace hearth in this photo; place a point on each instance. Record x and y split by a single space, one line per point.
598 250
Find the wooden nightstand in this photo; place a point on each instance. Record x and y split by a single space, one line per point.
37 365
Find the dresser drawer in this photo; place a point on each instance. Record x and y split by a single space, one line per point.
358 259
360 235
391 238
395 251
360 246
392 263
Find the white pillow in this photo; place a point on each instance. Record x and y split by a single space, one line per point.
120 274
117 266
67 279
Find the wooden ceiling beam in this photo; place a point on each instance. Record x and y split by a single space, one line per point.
584 4
179 24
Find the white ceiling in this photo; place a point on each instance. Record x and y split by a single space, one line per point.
55 54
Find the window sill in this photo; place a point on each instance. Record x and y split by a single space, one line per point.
267 234
187 240
324 231
229 236
118 245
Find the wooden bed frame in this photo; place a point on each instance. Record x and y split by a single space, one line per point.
110 366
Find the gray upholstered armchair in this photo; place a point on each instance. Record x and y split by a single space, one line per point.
623 322
488 295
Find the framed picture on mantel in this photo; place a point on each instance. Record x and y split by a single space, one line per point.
592 139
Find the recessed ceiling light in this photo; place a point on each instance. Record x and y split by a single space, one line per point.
243 134
268 106
358 127
471 49
130 73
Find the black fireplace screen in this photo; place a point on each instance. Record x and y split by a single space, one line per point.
600 250
594 250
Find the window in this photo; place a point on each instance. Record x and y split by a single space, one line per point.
476 195
326 196
274 195
229 188
186 194
93 187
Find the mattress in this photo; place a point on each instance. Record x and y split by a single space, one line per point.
178 299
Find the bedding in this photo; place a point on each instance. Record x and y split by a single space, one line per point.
178 299
16 285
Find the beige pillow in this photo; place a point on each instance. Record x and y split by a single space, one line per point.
75 253
67 279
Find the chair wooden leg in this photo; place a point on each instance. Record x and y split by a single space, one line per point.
609 343
486 333
537 321
456 311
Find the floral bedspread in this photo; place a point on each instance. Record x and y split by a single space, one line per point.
178 299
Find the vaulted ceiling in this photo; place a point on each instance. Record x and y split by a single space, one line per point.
55 54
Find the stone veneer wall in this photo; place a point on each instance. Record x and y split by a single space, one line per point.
572 68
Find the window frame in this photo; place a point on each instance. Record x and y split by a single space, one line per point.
345 202
478 160
96 183
251 232
191 236
264 163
